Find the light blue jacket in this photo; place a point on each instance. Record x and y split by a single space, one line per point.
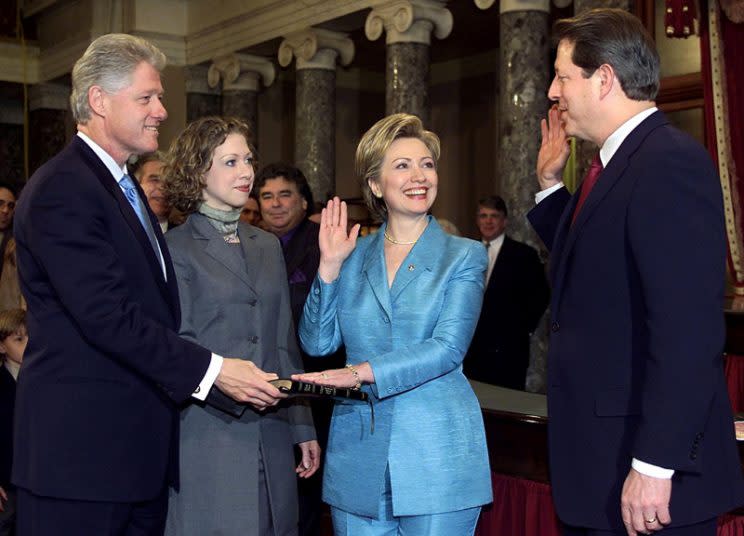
428 427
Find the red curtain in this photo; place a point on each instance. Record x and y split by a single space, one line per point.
735 380
519 506
525 508
729 525
723 84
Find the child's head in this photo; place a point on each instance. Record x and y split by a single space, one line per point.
13 336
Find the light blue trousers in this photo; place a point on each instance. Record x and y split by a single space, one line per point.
460 523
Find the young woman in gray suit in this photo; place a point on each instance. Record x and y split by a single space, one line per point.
238 473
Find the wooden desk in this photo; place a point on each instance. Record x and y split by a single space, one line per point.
516 431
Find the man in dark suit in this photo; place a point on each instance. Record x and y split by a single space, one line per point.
515 299
286 202
104 371
640 429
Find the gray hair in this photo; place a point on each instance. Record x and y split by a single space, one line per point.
109 62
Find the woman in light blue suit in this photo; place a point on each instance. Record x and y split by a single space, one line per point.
404 302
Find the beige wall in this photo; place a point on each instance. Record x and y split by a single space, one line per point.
175 102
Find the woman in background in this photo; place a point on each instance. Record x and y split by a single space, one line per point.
405 302
237 464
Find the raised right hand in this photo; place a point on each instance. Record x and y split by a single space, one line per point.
336 243
554 150
245 382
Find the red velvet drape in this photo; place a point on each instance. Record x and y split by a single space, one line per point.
728 37
735 380
519 506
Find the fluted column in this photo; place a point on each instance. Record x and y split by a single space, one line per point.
201 100
316 52
48 106
408 25
240 74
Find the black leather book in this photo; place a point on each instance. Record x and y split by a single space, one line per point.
298 388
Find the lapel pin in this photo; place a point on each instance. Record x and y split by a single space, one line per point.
411 267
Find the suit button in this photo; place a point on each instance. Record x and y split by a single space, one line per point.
699 436
252 303
254 339
385 319
693 456
555 326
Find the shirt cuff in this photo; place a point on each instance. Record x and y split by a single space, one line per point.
542 194
652 470
215 365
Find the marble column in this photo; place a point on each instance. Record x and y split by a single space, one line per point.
48 106
524 78
201 100
316 52
408 25
12 158
240 74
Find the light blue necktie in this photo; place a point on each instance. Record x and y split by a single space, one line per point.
130 191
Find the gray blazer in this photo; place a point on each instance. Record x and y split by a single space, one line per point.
235 301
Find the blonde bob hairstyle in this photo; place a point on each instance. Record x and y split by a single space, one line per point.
375 143
190 158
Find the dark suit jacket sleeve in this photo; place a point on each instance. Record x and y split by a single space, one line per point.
72 243
677 240
547 214
537 293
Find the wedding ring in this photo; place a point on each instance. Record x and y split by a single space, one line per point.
652 520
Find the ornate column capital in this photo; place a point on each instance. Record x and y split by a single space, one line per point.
409 21
240 72
315 48
195 78
506 6
49 96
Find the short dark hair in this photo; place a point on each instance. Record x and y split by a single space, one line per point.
10 187
136 168
287 172
495 202
11 321
616 38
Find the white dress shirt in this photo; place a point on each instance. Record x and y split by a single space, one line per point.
493 247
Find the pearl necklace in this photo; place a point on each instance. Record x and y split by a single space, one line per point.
394 241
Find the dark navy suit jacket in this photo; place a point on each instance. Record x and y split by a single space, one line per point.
516 297
96 415
634 365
